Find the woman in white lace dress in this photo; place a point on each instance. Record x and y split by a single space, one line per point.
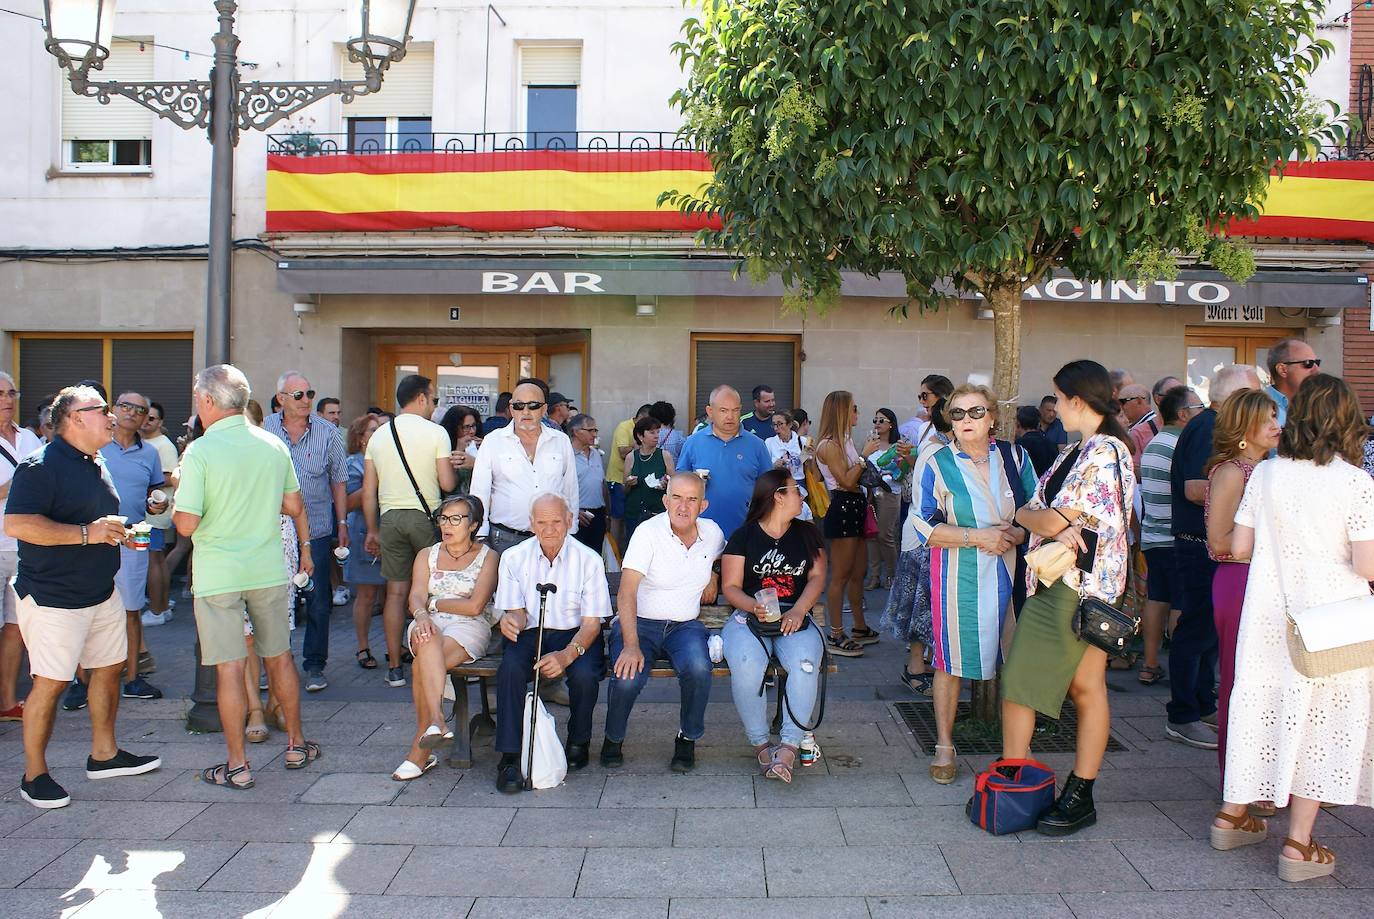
1307 524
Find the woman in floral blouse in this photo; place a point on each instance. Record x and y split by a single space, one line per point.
1087 489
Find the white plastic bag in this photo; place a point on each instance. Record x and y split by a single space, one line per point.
550 762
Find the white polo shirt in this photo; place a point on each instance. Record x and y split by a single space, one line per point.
578 572
25 442
506 482
674 574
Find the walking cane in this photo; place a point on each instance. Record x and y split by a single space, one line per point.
544 591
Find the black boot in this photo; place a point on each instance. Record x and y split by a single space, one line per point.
684 754
508 780
1073 811
611 755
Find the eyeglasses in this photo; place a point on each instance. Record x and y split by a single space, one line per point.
132 407
1195 408
1128 400
592 430
521 406
924 396
102 407
300 394
784 489
958 414
9 393
470 426
452 519
1307 364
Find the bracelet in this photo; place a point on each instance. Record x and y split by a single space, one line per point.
1062 514
965 537
85 535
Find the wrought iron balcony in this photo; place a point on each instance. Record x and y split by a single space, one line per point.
307 143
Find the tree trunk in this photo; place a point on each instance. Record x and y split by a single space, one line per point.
1005 301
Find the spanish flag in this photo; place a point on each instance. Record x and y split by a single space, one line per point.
617 192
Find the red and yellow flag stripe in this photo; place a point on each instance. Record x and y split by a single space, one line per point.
617 191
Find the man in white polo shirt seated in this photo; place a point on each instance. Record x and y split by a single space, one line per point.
665 577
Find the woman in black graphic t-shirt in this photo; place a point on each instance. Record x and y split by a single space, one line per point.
774 549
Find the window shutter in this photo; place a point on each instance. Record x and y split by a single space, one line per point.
47 365
84 118
407 87
745 364
551 65
160 370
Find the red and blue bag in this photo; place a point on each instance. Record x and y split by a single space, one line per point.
1012 799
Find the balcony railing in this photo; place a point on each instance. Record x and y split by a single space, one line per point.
311 144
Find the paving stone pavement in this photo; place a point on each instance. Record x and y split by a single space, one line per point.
863 835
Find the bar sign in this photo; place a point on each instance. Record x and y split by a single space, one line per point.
1228 312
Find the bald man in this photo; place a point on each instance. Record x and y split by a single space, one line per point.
730 458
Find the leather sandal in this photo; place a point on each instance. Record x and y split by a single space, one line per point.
300 755
1317 861
255 733
841 644
764 755
1263 809
1245 830
365 659
1149 676
784 758
946 773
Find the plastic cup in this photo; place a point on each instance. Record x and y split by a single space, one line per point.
143 536
157 496
704 473
341 553
302 580
769 597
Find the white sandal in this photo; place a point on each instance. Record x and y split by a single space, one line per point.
408 771
435 737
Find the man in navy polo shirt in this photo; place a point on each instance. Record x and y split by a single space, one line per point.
733 458
61 509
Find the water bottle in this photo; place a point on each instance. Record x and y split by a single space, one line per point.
810 751
887 457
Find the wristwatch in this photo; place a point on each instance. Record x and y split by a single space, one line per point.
85 535
578 648
434 604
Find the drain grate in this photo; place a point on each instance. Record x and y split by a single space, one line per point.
976 737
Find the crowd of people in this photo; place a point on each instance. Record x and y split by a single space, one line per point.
1209 516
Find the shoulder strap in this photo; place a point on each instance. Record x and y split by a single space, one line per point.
6 453
433 559
1013 472
406 466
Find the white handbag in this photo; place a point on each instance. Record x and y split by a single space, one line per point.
550 766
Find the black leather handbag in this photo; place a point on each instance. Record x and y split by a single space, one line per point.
1096 621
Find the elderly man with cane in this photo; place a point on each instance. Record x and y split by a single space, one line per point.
566 639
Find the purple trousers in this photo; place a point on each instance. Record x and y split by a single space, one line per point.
1228 596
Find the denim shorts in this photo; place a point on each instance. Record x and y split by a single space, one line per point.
1161 576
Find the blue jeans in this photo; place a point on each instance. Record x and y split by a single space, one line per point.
684 644
318 604
800 654
1193 648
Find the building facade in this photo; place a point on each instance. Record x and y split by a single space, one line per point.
103 213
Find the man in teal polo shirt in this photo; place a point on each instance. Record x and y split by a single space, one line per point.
733 457
236 480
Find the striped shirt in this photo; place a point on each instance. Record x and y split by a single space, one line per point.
321 462
1155 491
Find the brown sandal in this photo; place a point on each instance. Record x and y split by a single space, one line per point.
300 755
1245 830
784 758
946 773
1317 861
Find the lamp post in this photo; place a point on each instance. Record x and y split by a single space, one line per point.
79 33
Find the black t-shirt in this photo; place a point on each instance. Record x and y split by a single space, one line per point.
1041 450
1191 453
67 486
782 564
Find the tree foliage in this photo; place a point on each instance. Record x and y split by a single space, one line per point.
983 143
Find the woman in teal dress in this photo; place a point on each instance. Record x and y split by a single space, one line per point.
647 469
968 499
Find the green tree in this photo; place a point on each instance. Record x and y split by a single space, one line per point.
979 144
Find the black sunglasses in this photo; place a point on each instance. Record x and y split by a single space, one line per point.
521 406
300 394
1307 364
94 408
1128 400
978 411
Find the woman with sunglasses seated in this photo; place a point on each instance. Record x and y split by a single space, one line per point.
450 597
968 500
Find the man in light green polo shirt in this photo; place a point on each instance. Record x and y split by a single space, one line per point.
236 481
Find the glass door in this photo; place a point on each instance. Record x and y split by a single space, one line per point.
1209 350
472 376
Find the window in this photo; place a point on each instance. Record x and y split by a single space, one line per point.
745 361
551 75
157 366
116 137
397 117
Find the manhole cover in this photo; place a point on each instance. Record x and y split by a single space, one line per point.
978 737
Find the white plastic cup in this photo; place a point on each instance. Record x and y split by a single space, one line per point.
769 597
704 473
341 553
302 580
157 497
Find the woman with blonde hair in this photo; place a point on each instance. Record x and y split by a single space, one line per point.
1306 522
968 496
841 467
1247 430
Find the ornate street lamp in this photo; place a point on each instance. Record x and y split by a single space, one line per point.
79 33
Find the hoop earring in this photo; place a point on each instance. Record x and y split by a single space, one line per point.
1242 445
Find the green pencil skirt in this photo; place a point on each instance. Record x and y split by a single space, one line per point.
1045 652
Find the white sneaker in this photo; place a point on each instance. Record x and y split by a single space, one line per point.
151 618
341 596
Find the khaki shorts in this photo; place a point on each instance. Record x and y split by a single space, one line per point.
219 622
59 640
404 532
